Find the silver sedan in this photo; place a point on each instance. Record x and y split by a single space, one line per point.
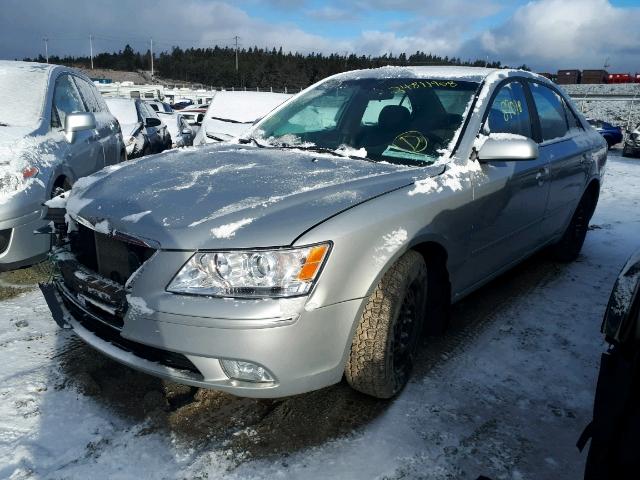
340 229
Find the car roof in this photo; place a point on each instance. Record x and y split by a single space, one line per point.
437 72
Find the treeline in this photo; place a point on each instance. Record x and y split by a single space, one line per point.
257 67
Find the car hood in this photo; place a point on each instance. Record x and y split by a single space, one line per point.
129 129
13 141
229 196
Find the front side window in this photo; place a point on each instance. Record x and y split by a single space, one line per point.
509 112
551 112
66 100
399 120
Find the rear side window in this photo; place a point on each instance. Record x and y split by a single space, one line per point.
66 99
86 90
551 111
572 119
509 112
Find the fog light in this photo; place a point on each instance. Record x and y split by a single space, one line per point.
245 371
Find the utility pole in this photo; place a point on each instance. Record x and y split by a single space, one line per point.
152 58
91 49
46 48
236 38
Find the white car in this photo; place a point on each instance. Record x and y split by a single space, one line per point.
230 114
181 133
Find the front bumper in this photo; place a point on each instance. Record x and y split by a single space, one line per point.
304 350
24 248
632 148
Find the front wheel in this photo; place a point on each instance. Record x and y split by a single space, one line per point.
389 331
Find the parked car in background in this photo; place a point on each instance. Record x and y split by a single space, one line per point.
615 428
181 133
182 103
144 133
340 227
632 144
611 133
54 129
194 116
231 114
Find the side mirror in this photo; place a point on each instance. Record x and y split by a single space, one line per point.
506 147
77 122
152 122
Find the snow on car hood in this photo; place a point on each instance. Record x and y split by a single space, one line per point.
129 129
229 195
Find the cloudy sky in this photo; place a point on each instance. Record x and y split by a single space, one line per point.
544 34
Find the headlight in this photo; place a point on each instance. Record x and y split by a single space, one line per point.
251 273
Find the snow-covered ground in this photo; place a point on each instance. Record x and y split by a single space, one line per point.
504 394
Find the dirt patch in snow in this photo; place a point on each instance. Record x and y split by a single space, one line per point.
16 282
251 428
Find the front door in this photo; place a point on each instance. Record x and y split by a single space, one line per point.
84 155
509 196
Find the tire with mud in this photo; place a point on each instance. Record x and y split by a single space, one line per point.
569 246
389 331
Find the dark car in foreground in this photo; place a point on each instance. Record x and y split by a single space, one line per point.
615 428
331 236
631 146
611 133
143 131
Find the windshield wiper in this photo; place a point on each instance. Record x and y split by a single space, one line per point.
330 151
228 120
247 140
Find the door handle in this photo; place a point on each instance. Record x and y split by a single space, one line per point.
542 175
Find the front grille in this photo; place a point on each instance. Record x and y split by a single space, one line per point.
5 238
111 257
112 335
106 299
95 279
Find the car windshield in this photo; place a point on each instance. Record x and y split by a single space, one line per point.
398 120
22 91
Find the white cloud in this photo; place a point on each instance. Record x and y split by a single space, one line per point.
544 34
565 33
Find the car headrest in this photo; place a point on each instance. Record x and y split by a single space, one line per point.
394 116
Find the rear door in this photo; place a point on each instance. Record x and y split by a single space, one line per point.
568 153
85 155
509 196
105 123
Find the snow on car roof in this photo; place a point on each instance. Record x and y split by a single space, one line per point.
124 109
23 86
445 72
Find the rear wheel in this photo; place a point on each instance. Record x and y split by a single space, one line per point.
389 331
569 246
